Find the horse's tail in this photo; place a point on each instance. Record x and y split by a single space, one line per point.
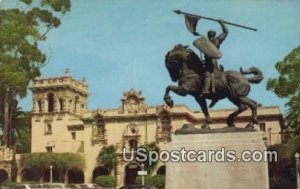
258 75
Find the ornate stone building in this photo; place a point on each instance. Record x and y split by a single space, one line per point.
61 122
6 158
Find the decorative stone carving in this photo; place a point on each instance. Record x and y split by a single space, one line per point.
133 102
164 126
131 136
99 130
6 154
6 160
131 130
68 95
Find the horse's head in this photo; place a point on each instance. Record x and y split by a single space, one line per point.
174 59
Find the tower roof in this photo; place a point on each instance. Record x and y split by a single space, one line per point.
66 81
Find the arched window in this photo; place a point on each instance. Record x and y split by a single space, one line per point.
166 123
100 126
50 102
76 103
61 105
262 127
133 144
39 106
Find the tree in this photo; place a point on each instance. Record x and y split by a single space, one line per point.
293 114
283 172
21 30
150 147
107 156
21 133
40 162
287 85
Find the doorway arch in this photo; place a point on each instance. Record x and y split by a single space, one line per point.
75 176
29 174
131 172
46 175
99 171
3 175
161 170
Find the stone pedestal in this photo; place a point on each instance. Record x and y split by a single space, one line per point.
223 171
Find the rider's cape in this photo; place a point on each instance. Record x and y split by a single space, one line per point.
207 48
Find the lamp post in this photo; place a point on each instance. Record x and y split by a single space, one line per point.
143 176
51 176
297 156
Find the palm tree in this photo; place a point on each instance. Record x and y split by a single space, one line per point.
107 157
293 114
20 131
150 147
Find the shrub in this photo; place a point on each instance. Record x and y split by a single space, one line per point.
106 181
280 183
157 180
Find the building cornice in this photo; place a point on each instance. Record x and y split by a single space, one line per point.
194 117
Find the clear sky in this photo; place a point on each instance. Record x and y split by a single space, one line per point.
102 40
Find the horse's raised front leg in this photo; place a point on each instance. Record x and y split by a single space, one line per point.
203 105
179 90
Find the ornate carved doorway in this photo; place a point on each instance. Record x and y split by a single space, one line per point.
131 172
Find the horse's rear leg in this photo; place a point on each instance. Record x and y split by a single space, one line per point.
232 116
204 109
253 105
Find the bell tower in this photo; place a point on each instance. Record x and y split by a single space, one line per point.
58 104
59 95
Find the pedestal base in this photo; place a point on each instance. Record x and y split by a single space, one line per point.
225 170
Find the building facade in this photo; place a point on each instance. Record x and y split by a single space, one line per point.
6 159
61 122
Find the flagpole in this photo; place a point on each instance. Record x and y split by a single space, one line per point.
213 19
134 74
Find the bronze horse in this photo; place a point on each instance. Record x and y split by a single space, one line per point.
185 67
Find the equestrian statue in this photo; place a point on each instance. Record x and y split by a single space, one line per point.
205 79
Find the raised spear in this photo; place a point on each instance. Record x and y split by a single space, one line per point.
208 18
